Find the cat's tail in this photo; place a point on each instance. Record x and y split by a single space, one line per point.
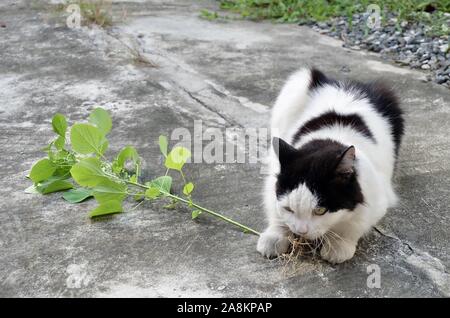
292 100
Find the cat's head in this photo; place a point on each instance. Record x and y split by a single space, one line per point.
317 185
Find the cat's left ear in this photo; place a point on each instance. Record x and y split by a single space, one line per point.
346 162
284 151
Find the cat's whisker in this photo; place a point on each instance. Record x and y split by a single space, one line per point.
337 236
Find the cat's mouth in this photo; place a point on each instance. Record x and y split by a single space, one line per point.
308 236
302 246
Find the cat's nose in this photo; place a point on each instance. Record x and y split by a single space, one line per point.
301 229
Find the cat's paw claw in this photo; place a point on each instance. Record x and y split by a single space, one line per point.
336 253
272 244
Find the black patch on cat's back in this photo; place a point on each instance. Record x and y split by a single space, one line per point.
332 118
315 166
382 98
386 104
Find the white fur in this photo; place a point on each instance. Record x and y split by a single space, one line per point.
375 164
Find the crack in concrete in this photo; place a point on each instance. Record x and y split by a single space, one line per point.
431 266
232 122
138 47
395 238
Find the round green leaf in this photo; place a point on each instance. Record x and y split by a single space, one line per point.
195 214
163 144
100 118
87 139
88 172
152 193
177 158
59 124
53 184
107 190
127 153
105 208
163 183
77 195
41 170
188 188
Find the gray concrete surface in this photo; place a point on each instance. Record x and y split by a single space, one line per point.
226 73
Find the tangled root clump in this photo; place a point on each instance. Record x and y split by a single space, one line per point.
302 257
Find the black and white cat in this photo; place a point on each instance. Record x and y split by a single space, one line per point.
334 149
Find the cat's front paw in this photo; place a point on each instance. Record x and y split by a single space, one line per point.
337 252
272 244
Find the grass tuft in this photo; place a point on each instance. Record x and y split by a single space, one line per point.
208 15
429 12
96 11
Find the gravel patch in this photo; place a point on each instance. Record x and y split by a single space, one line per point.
404 42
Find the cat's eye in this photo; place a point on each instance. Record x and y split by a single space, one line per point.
288 209
320 211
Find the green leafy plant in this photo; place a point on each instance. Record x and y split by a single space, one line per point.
208 15
82 170
96 11
293 11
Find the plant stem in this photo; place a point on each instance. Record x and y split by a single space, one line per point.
218 215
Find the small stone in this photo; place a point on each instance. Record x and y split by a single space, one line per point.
425 67
405 61
443 48
420 51
408 39
441 79
222 287
345 69
424 57
392 38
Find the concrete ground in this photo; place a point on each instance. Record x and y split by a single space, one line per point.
227 74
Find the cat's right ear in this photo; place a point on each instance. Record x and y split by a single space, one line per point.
284 151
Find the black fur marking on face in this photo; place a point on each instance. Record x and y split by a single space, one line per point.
332 118
318 165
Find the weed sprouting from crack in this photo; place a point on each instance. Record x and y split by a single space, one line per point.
137 56
140 59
